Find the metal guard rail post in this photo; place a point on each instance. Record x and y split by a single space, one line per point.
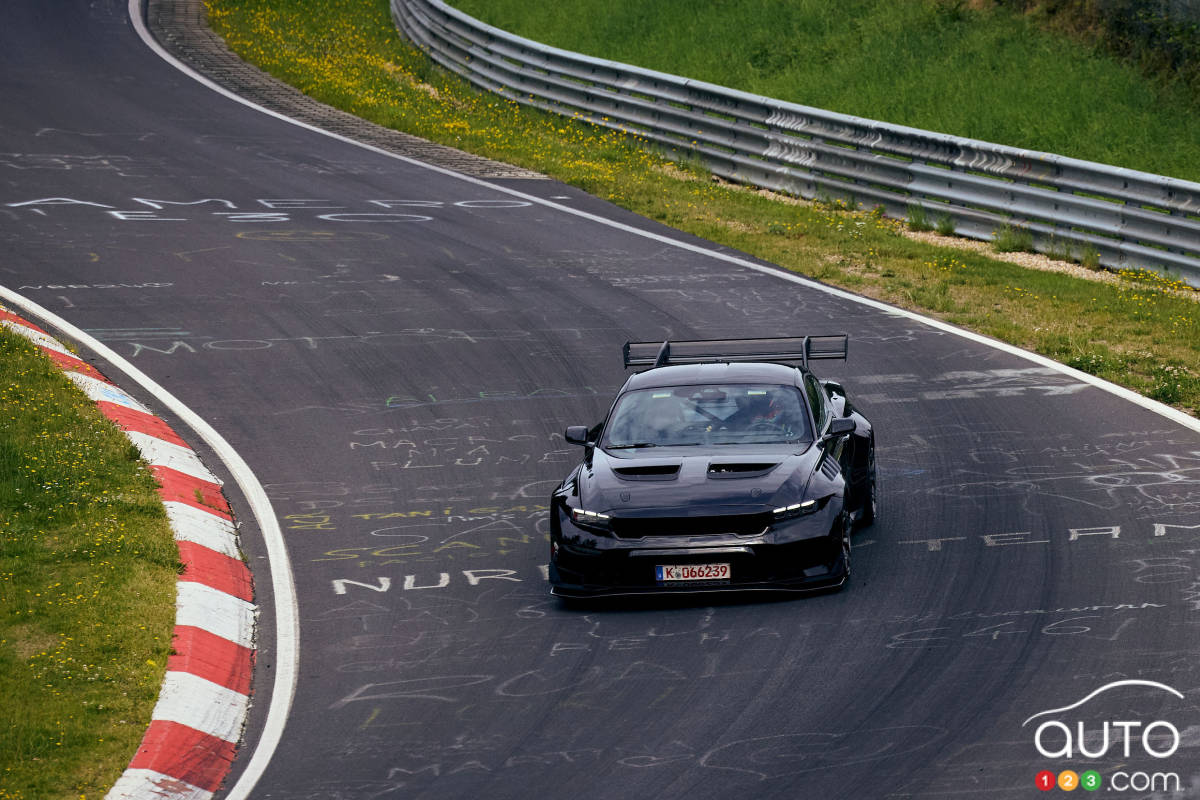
1129 218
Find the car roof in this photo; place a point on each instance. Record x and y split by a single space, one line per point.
724 372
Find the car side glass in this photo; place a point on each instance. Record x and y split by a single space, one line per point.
816 399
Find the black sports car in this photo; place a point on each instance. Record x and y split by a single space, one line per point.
726 465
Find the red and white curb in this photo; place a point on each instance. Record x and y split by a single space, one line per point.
196 725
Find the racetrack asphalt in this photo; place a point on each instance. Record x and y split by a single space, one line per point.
400 384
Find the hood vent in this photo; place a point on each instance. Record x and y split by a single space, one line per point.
648 472
739 469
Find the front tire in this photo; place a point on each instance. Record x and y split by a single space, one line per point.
844 555
870 504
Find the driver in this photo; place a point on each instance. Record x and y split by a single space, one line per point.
755 408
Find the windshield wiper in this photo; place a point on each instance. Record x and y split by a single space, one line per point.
630 446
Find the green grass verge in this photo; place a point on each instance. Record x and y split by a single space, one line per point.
348 54
87 586
970 69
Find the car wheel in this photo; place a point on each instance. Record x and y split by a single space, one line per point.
870 504
845 552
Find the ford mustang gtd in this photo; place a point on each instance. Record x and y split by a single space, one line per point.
726 465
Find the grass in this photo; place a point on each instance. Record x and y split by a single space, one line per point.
918 220
1162 38
1059 249
974 69
347 53
1013 239
87 583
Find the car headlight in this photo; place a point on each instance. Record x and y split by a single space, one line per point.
798 509
589 519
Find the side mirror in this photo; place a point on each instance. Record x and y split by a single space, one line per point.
841 426
576 434
838 392
833 387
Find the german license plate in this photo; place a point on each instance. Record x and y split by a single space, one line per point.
692 572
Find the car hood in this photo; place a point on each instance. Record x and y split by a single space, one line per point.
683 482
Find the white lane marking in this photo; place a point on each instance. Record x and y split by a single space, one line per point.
140 784
190 524
283 584
201 705
287 655
221 614
160 453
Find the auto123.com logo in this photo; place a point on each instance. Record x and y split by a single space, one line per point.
1084 737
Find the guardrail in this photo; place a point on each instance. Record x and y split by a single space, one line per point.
1128 218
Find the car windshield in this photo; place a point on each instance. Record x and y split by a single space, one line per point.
678 416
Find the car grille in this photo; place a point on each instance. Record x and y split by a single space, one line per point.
739 524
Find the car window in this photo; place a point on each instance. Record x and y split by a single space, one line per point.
708 414
818 401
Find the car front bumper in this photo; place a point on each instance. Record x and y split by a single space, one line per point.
586 565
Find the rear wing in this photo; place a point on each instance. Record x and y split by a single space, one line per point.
703 351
